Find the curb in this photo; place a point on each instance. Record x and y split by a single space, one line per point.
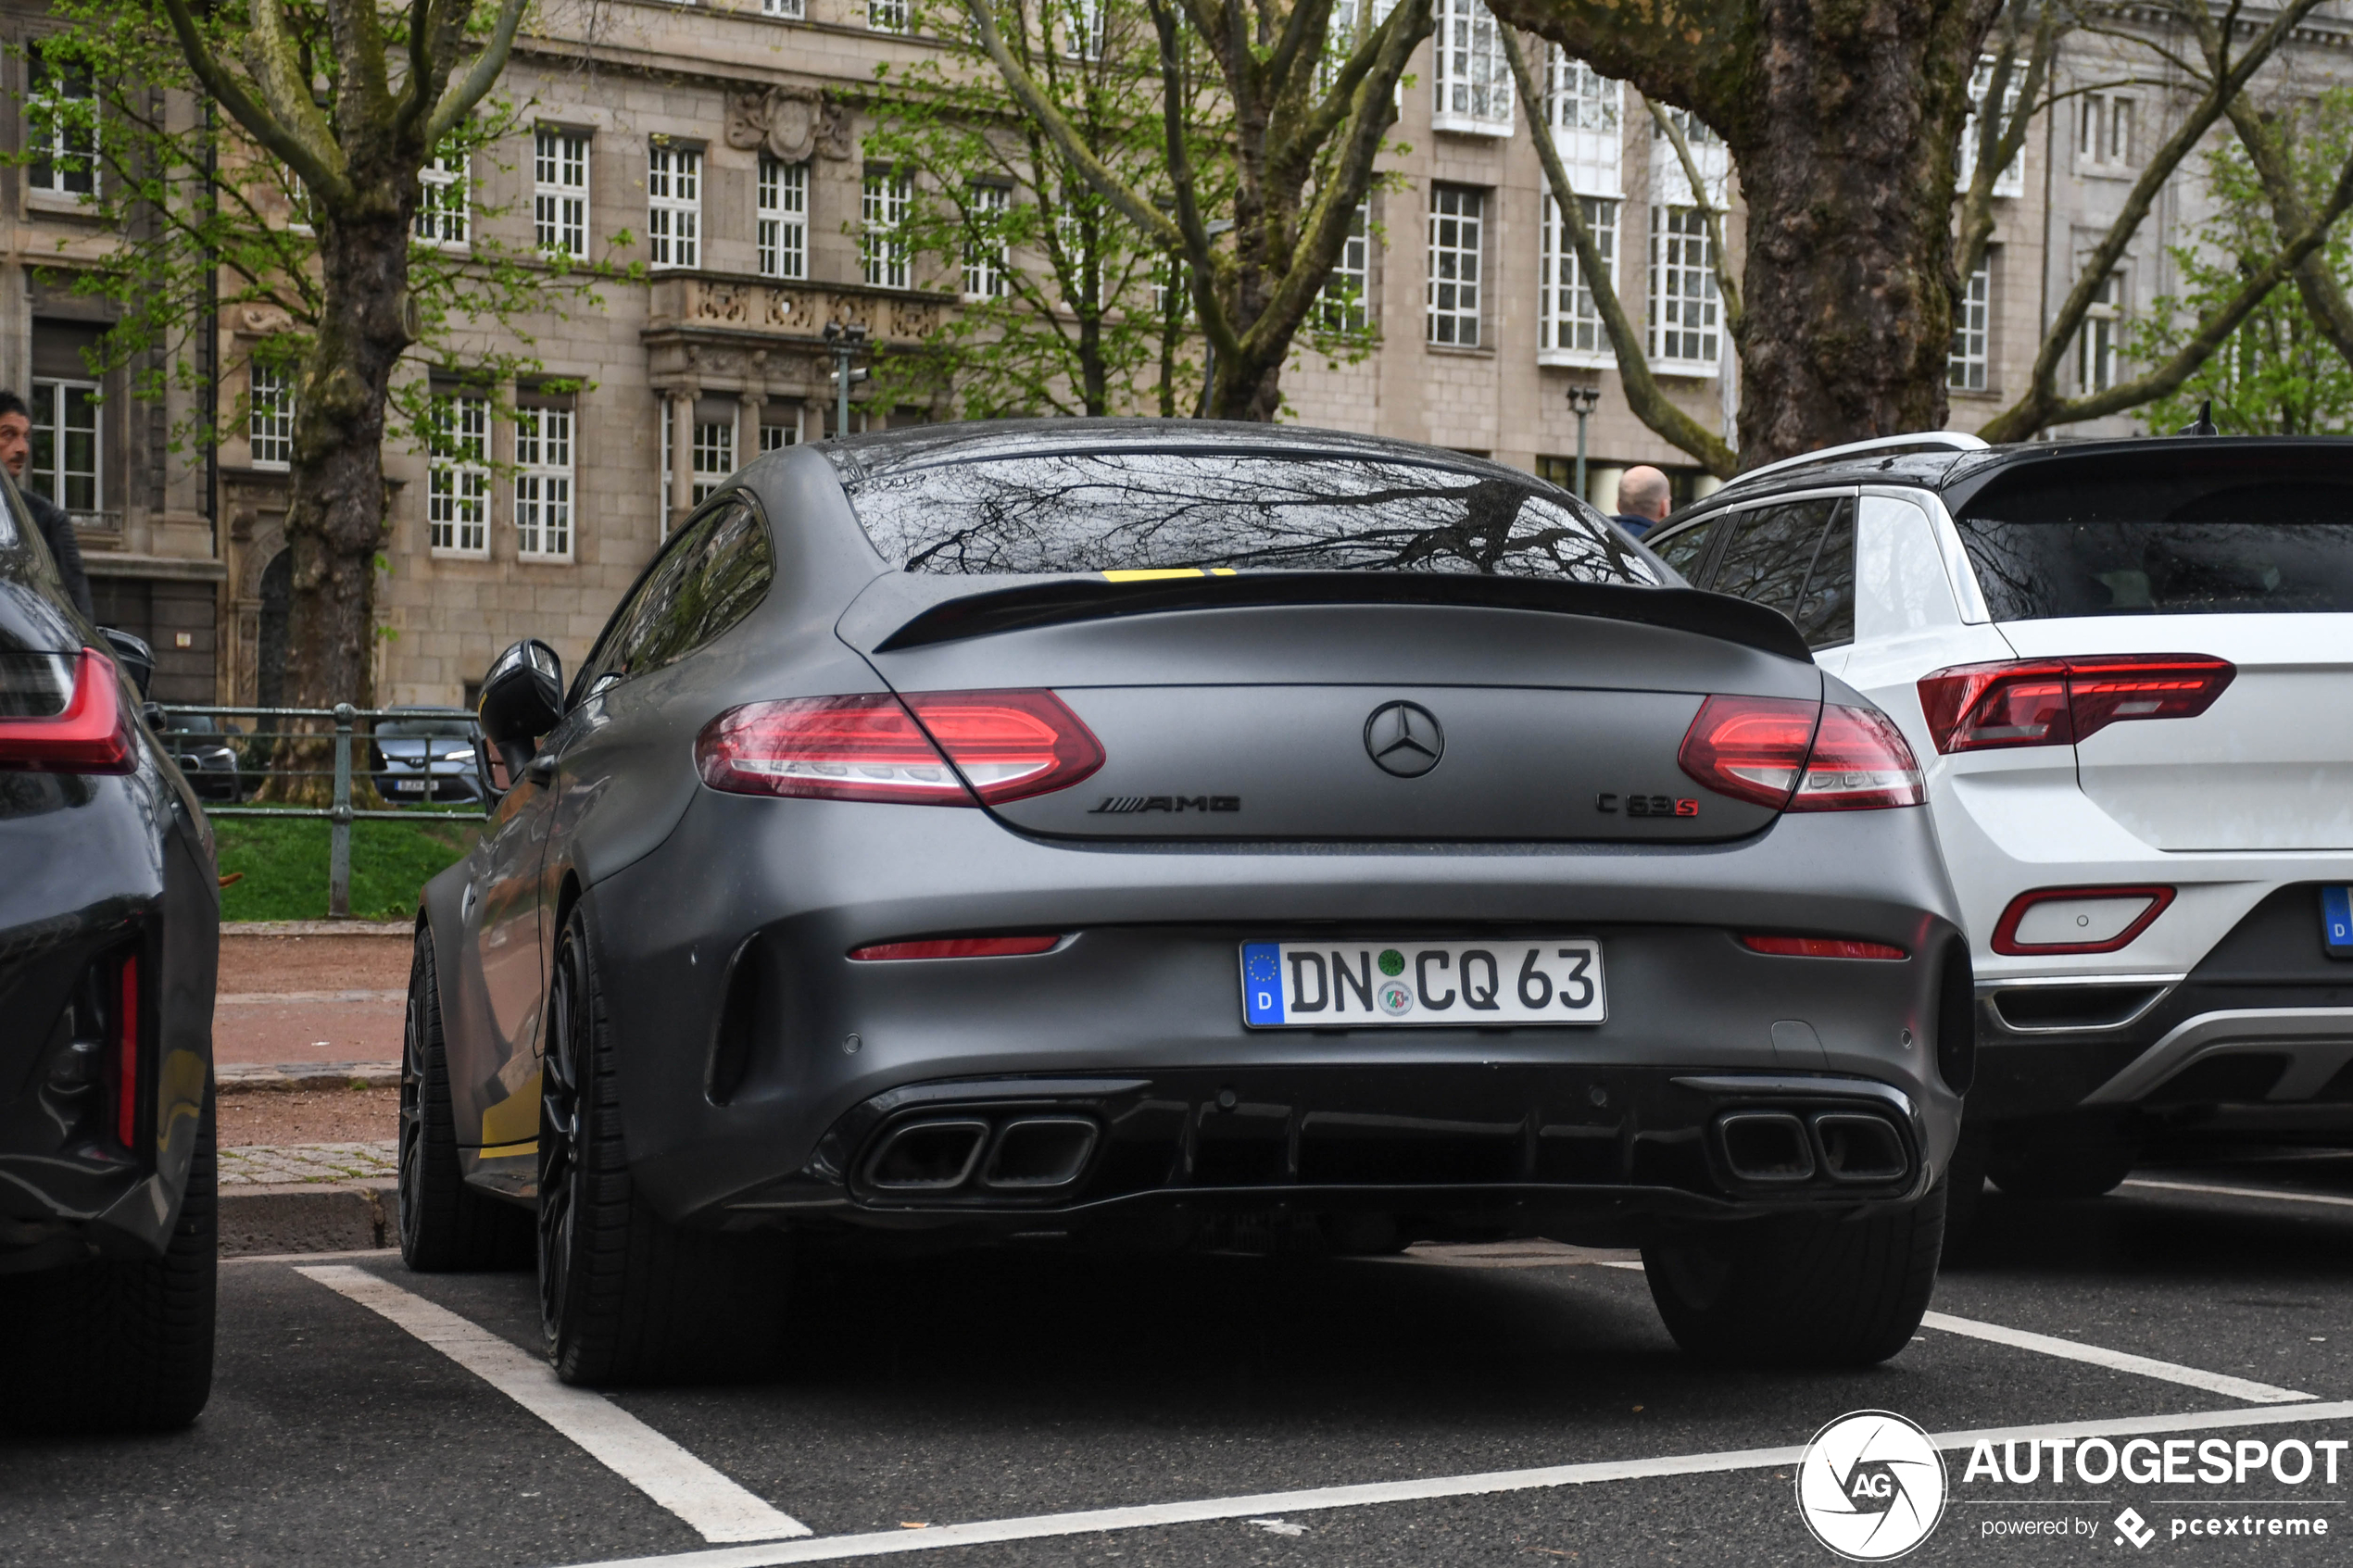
403 929
239 1078
309 1217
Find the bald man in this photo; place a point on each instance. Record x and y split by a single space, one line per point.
1644 497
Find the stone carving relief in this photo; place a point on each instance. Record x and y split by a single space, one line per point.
789 123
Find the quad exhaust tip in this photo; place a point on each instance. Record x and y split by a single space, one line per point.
1026 1154
1785 1149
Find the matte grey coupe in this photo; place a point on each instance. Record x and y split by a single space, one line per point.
1161 835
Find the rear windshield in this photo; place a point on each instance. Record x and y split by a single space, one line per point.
1250 511
2153 547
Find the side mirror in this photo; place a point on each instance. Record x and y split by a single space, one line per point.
522 698
138 660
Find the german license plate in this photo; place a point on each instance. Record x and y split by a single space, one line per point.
1456 984
409 786
2336 921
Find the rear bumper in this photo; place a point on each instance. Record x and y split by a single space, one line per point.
736 930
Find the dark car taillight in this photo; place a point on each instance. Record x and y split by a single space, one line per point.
2060 701
1008 746
63 713
1798 756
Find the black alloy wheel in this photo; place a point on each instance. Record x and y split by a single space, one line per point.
559 1141
445 1224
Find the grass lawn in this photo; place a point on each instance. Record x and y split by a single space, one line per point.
286 865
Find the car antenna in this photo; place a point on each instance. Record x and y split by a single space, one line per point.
2204 424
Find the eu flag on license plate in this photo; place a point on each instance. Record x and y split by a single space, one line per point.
1262 982
2336 920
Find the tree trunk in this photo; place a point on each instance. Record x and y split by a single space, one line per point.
1846 158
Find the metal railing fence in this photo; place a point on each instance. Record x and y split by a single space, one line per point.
255 763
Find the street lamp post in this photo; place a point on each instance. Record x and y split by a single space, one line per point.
1582 401
844 342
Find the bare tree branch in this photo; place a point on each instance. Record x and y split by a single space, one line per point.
1719 255
458 100
2001 137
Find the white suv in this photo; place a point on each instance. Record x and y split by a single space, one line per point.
2128 667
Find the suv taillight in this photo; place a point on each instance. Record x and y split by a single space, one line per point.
1007 746
1800 756
63 713
2060 701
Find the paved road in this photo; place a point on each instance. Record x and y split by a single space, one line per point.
366 1415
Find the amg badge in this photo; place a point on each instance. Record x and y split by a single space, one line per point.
1128 805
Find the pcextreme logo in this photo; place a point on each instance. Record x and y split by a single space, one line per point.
1871 1486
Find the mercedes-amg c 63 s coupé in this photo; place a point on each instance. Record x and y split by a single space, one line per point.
1154 833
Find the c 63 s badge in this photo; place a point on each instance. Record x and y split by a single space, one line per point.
1646 804
1176 805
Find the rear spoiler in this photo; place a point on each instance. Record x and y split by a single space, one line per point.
1063 600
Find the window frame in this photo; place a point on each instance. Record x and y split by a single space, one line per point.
458 478
674 221
886 16
46 91
1973 352
2099 339
1682 229
780 228
988 262
1559 275
48 405
1349 312
1443 322
269 417
444 218
546 491
559 208
885 195
1472 91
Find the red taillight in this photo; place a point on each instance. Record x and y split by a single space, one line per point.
91 734
1006 745
126 1114
2057 921
2060 701
956 948
1800 756
1820 947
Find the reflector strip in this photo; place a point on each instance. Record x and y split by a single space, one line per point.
1820 947
955 948
2006 930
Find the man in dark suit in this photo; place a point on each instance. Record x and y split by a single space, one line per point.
1644 497
56 527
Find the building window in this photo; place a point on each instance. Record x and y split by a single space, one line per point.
559 192
543 484
1966 371
66 445
985 260
776 435
1474 81
441 202
1568 326
1344 308
783 222
1086 29
1683 304
886 16
1457 220
789 10
2104 131
270 419
674 204
881 250
2011 181
1671 184
2095 349
61 126
1584 110
714 456
458 489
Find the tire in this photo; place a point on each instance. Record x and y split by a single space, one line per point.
119 1345
625 1297
2055 1162
446 1225
1800 1290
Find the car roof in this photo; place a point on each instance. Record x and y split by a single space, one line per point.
863 456
1957 476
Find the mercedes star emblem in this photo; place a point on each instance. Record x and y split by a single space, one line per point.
1404 739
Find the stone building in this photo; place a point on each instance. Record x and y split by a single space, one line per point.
725 141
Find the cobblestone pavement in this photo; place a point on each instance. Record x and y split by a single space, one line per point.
266 1165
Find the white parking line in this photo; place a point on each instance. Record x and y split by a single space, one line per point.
883 1543
2068 1350
717 1508
2273 1193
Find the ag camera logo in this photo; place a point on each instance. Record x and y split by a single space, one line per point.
1871 1486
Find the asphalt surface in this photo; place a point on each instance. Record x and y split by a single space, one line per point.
1025 1384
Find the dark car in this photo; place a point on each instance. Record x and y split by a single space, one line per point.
206 749
109 928
428 756
1149 833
